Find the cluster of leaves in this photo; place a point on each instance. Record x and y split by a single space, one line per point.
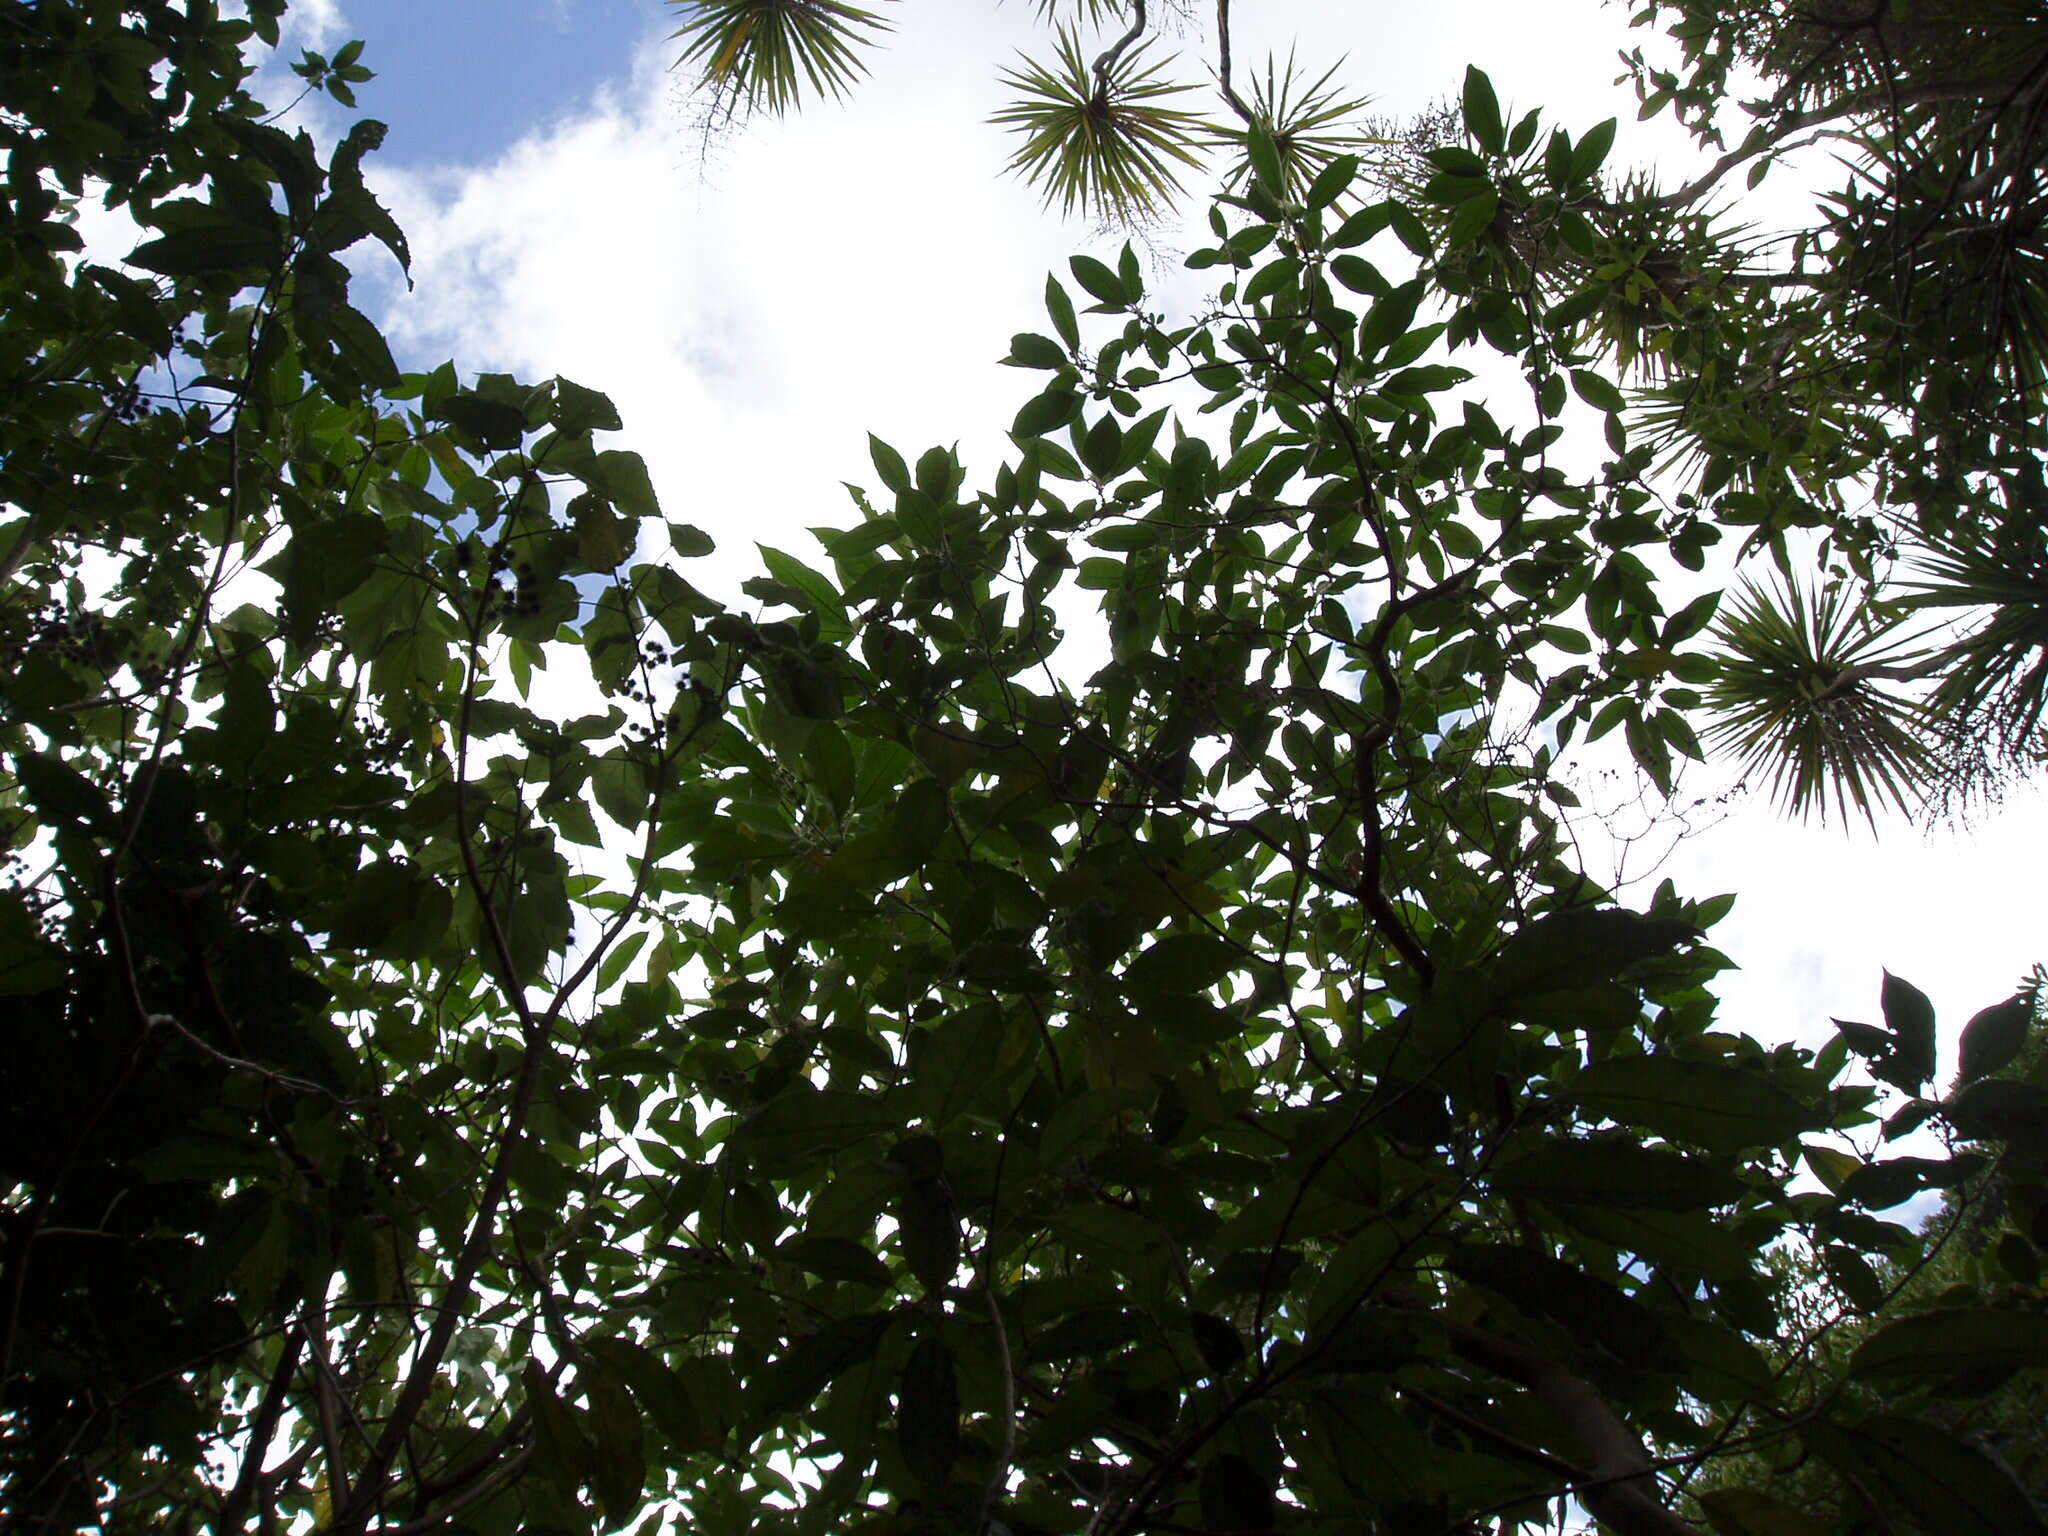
864 1075
1868 380
1099 136
1985 1252
1878 372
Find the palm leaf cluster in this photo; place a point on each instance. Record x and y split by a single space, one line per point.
769 55
1799 695
1098 137
1094 12
1942 262
1994 686
1827 49
1307 124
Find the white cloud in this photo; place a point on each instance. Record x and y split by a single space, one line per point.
755 317
313 24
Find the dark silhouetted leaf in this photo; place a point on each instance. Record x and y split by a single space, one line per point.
928 1412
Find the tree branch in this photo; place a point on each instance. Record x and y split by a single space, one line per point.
1106 60
1619 1489
1223 63
327 1403
234 1509
1765 139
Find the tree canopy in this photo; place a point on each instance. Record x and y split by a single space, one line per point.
1866 380
1076 1008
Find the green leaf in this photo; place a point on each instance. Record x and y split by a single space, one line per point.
812 1362
1220 1345
620 784
623 477
1331 182
1935 1345
1598 392
1993 1038
1101 445
1615 1172
1234 1496
1031 351
28 962
562 1449
1833 1167
949 1063
802 1121
804 687
618 1439
837 1258
1482 113
1357 274
1362 226
1263 154
1722 1108
1920 1470
1580 947
928 1412
1475 215
496 424
1591 151
210 240
600 540
1061 310
1999 1109
1597 1314
1910 1017
1745 1512
689 541
1717 1363
889 465
929 1230
1045 413
824 596
1100 281
578 410
386 896
360 344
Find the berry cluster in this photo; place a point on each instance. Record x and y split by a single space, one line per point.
382 743
124 401
510 589
46 628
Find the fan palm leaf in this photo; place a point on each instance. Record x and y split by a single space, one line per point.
1096 137
1306 123
768 55
1994 684
1800 696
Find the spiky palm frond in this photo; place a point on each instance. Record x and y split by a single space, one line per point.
1994 683
1308 123
1094 12
1941 262
766 55
1095 137
1799 695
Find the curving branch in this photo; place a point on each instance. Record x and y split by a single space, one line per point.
234 1510
1223 84
1106 61
1619 1488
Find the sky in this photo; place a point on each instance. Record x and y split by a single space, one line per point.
758 303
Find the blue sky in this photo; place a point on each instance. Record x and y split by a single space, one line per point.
758 312
458 80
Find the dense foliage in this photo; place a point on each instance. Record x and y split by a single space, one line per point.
1076 1010
1864 380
